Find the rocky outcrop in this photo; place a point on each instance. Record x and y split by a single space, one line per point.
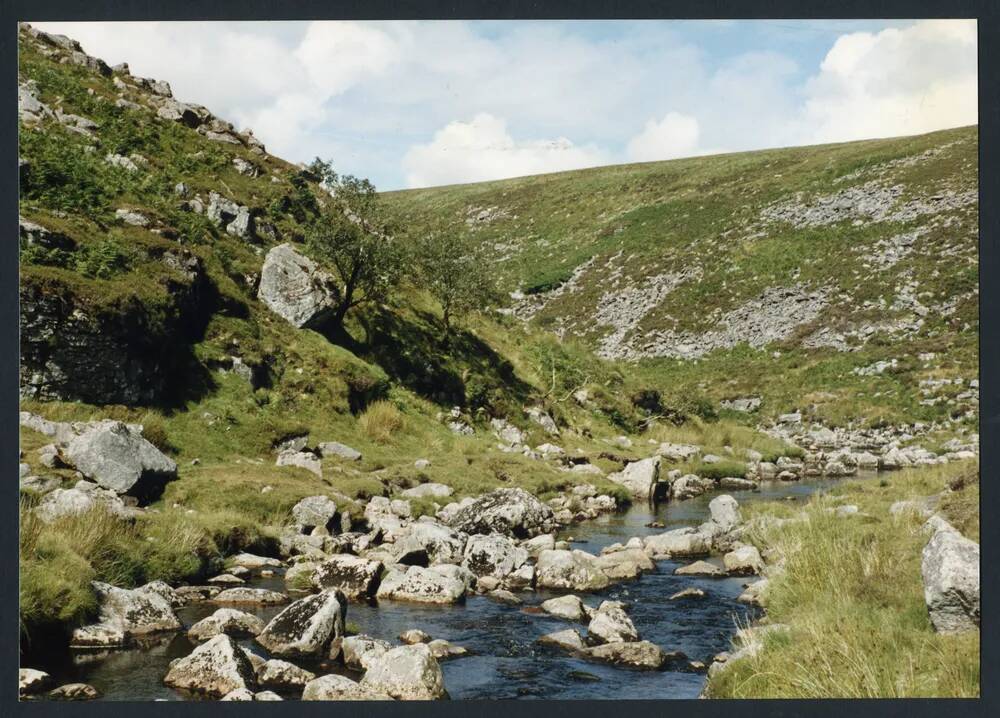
406 673
116 457
213 669
294 288
306 627
511 512
950 570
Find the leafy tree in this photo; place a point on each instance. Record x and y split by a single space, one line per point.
457 271
353 235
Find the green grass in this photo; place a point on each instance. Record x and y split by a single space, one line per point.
852 597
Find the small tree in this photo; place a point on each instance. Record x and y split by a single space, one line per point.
354 236
457 273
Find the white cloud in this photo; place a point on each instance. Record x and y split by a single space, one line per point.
483 149
381 98
676 135
895 82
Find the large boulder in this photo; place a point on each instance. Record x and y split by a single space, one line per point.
293 287
570 570
950 570
610 624
406 673
306 627
335 687
639 477
511 512
316 511
116 457
226 620
420 585
493 555
213 669
359 652
356 577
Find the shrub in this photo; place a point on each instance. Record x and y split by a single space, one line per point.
381 420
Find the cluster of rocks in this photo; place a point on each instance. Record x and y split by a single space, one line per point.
116 467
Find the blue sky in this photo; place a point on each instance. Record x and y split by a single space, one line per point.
413 104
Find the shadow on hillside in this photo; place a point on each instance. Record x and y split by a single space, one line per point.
456 369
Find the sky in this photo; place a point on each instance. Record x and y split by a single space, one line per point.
426 103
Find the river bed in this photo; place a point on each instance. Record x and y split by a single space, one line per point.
506 661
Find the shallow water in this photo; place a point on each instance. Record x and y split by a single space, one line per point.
506 661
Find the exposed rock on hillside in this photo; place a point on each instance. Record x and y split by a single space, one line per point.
293 287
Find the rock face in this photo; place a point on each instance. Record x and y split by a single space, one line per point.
406 673
950 570
420 585
511 512
306 627
213 669
355 577
573 570
639 477
340 688
116 457
71 351
292 287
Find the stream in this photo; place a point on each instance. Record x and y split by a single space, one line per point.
506 661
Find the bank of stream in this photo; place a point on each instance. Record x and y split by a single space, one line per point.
505 660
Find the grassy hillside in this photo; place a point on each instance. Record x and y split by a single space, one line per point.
855 253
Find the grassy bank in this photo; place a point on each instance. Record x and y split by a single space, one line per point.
852 597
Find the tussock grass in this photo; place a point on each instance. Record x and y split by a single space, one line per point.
851 593
381 421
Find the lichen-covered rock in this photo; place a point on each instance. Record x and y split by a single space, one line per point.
686 542
511 512
213 669
634 654
493 555
406 673
243 594
279 674
572 570
570 607
356 577
359 652
116 457
610 624
639 477
228 621
294 288
420 585
950 570
31 681
428 542
313 511
725 512
743 561
341 688
134 612
306 627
